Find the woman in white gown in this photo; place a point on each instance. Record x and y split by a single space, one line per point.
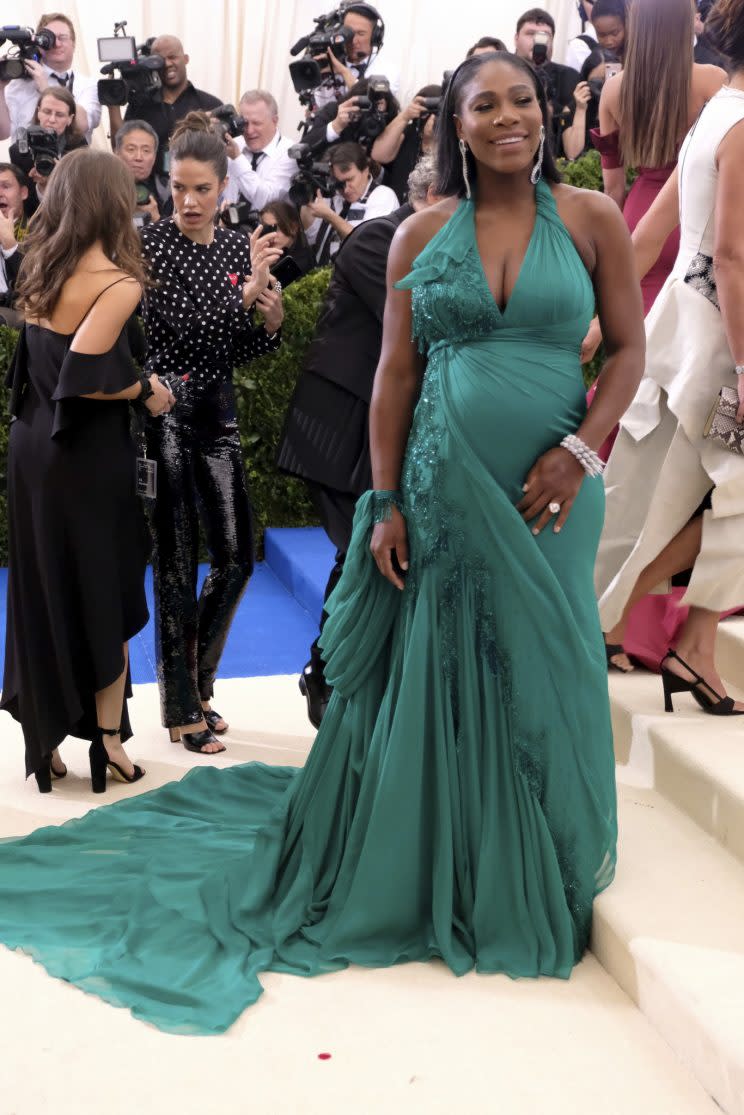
675 499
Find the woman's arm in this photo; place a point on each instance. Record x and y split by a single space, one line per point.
394 393
574 138
388 143
728 249
557 476
612 177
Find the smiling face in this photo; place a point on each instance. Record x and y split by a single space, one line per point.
260 125
12 196
499 117
59 58
54 113
196 190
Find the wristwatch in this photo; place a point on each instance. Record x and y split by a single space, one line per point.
739 369
147 389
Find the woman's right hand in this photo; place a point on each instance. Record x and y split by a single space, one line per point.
591 341
391 538
162 399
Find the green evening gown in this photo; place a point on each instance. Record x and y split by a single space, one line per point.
459 801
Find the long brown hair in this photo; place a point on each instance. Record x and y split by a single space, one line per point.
90 198
73 138
657 81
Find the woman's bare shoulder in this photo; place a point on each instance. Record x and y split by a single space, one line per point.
707 79
418 229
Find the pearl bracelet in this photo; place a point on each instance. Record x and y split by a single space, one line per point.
591 462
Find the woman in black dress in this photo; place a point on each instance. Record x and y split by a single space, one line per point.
199 325
77 540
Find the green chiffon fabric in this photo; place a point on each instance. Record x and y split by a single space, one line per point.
459 801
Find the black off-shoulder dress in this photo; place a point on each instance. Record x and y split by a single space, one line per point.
78 541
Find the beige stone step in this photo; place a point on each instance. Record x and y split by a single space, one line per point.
694 760
670 930
730 650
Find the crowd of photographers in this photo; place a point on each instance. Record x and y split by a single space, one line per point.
356 148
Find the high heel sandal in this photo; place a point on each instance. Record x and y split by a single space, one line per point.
612 650
212 718
699 688
46 775
100 762
195 741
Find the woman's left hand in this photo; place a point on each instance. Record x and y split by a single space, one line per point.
270 304
554 478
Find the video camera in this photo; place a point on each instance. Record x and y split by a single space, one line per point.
311 177
44 145
313 69
28 44
139 69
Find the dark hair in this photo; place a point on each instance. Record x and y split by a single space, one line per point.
450 180
90 197
429 91
724 29
360 88
484 41
17 173
603 8
344 155
536 15
596 58
197 137
73 138
287 218
130 126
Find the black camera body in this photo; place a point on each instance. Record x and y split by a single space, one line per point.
230 121
312 176
44 145
241 215
313 68
28 45
139 81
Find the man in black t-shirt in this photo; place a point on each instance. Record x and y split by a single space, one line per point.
534 42
179 97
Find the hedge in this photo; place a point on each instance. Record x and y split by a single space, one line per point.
263 391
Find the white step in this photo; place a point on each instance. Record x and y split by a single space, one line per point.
670 930
694 760
730 650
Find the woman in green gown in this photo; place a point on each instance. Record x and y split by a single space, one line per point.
459 801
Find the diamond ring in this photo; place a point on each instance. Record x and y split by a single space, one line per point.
554 508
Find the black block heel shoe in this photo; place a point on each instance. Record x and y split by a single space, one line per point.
194 741
100 762
47 774
710 701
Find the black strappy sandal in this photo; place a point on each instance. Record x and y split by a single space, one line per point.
100 763
699 688
213 718
195 741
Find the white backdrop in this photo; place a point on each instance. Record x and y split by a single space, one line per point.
240 44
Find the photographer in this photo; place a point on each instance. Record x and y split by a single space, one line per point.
325 440
55 112
534 42
577 139
610 17
18 98
13 196
259 168
359 198
137 147
363 52
282 221
357 119
179 97
408 137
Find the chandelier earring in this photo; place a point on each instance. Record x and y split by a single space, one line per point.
464 153
537 168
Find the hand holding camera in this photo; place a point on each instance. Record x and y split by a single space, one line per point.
319 208
348 112
582 95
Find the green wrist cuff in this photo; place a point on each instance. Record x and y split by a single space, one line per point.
383 503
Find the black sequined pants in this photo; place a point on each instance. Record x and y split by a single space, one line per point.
336 512
200 475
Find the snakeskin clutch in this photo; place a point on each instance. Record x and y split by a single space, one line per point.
722 425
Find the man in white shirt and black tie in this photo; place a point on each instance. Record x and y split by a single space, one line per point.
259 169
18 98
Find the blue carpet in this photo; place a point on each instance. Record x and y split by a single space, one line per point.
271 633
302 558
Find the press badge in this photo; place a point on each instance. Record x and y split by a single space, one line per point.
147 478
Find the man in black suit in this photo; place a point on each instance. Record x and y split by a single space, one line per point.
325 439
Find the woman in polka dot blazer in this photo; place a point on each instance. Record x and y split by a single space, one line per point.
199 324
